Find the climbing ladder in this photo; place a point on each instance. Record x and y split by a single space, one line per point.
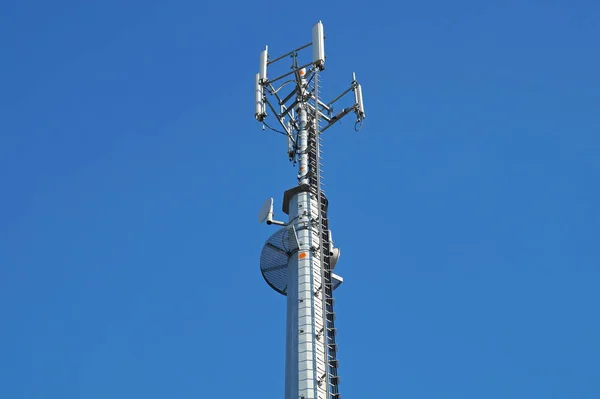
316 190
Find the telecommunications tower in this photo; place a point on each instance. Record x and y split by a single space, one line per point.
298 260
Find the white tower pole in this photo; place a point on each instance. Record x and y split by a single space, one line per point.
305 350
297 260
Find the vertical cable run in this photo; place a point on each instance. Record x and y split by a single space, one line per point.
320 221
332 378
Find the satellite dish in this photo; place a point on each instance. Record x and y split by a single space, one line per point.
266 211
335 255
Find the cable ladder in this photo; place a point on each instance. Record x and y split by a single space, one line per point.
316 184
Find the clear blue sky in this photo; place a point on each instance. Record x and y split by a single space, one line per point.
467 209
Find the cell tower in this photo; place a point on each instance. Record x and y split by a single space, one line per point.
298 260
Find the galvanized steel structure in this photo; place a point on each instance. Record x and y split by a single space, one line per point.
298 259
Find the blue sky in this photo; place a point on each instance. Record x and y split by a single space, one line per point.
466 209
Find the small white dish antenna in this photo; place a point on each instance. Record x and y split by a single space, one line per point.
266 211
335 256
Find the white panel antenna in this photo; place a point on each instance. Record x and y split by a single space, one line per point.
262 69
359 100
318 45
259 102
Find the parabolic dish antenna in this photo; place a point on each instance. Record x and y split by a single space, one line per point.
335 255
275 258
266 211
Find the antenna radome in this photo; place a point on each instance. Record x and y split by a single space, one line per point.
262 69
318 44
259 102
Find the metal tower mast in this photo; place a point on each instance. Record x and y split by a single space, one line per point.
298 259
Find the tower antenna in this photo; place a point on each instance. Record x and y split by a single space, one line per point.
298 259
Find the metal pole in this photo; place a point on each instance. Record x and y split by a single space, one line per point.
302 270
305 351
